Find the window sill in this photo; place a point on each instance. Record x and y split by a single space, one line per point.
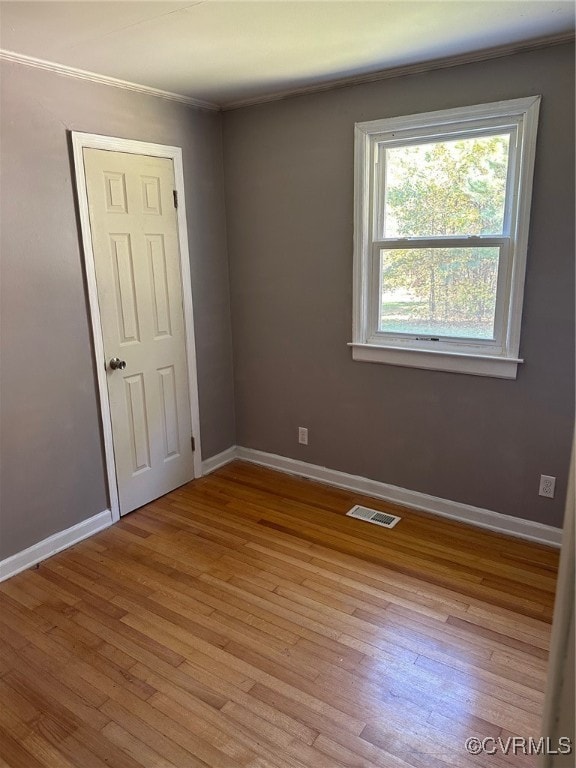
454 362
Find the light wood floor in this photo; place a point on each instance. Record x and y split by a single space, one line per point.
243 620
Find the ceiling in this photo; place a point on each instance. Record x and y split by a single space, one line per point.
231 52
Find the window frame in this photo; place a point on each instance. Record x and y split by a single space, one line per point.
495 357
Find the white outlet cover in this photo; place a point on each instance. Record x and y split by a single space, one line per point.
547 486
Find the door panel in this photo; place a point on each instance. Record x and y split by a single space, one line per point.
137 422
169 412
159 277
137 262
125 285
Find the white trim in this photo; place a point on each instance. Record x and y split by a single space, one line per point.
464 513
186 278
219 460
519 118
114 144
53 544
454 510
409 69
523 204
345 82
453 120
94 77
430 359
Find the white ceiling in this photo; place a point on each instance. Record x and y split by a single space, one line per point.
225 52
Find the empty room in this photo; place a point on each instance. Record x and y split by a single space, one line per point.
287 312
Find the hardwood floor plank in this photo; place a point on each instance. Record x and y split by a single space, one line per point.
488 682
178 726
418 747
136 748
15 753
272 605
64 619
494 669
10 637
244 621
297 752
145 732
312 712
124 637
536 649
99 669
359 754
33 673
36 659
236 747
240 695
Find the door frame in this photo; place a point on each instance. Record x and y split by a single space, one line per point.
115 144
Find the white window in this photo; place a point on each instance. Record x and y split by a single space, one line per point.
442 204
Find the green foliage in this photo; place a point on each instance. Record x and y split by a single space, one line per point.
443 189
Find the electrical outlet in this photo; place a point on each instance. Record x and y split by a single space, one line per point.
547 486
303 435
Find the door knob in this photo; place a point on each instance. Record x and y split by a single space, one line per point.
116 364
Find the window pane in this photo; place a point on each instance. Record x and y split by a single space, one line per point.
453 187
439 291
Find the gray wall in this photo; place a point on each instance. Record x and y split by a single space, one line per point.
52 456
289 198
289 214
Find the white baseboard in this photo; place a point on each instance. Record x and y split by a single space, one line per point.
53 544
219 460
464 513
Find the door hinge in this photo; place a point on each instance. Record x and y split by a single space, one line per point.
193 443
175 193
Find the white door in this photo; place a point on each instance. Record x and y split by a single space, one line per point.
134 235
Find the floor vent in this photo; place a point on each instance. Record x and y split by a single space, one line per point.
373 516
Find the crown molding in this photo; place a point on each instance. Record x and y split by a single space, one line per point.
94 77
385 74
409 69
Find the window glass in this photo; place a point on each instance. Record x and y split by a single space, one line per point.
439 291
448 187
